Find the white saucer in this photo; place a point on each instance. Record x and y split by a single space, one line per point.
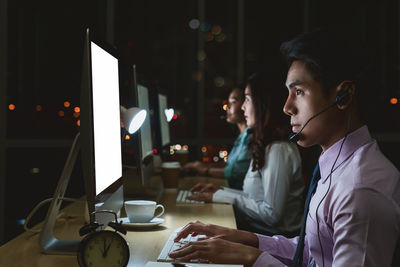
153 222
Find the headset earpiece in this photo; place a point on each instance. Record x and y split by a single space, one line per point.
342 97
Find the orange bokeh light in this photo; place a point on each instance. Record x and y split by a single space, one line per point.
39 108
11 107
67 104
394 101
127 137
77 109
61 113
78 122
76 114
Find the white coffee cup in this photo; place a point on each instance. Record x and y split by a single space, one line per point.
142 211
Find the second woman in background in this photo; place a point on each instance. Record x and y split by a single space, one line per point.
272 198
238 158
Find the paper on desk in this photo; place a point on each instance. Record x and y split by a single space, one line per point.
160 264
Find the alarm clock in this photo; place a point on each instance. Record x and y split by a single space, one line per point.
103 247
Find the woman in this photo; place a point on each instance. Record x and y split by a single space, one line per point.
272 198
238 158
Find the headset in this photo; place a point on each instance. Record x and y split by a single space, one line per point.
341 99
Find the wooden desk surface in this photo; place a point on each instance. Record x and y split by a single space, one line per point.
145 244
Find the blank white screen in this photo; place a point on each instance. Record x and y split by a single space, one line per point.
164 126
145 130
106 118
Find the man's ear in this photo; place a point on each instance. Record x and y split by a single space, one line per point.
345 94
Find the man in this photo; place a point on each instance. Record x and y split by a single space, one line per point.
354 214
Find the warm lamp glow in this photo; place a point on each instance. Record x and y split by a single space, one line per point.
67 104
127 137
61 113
77 109
78 122
11 107
394 101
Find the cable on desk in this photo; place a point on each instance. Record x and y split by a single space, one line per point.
38 206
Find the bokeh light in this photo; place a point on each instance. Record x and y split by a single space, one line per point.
216 30
194 24
201 55
11 107
219 81
67 104
394 101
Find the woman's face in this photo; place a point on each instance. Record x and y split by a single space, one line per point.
248 108
233 112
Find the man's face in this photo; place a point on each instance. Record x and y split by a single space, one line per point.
233 112
306 99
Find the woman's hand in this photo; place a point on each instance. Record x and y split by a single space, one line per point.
197 166
205 188
217 250
206 197
212 230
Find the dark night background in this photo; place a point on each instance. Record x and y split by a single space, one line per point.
41 56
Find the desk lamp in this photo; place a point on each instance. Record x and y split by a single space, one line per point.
132 118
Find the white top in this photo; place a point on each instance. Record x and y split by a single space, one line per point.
274 194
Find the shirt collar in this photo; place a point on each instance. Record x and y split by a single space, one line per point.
354 140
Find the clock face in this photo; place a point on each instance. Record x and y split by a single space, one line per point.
103 248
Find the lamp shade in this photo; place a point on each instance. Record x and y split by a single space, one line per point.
132 118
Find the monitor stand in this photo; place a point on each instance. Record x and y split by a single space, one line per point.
48 242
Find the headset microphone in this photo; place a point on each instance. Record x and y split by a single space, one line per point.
341 99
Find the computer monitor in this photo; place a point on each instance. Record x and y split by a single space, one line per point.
101 132
144 140
164 116
99 141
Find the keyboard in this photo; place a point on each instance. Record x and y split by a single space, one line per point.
170 245
181 198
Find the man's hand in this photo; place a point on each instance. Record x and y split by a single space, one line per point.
217 250
212 230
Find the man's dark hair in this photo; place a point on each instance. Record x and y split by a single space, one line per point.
330 55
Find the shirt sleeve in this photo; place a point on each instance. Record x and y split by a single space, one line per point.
278 251
364 224
227 195
276 179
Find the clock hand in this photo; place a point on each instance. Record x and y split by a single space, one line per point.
104 248
106 251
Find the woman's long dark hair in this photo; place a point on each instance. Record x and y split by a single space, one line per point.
271 124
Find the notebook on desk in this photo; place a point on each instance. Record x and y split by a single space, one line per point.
160 264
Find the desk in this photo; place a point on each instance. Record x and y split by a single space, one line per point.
145 245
